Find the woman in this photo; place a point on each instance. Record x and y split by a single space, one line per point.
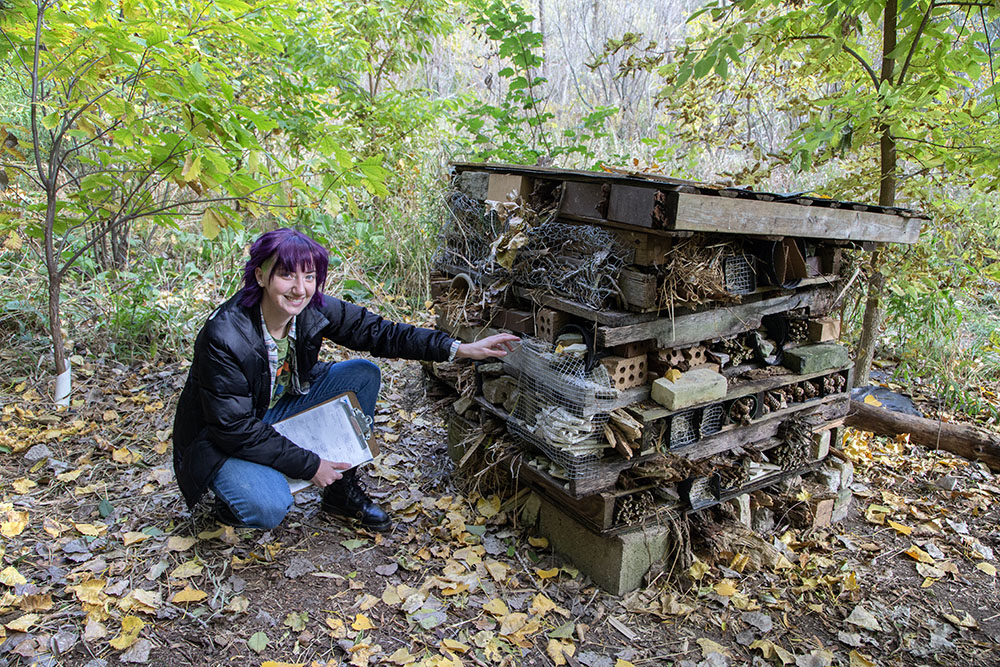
256 362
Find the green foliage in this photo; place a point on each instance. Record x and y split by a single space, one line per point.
519 129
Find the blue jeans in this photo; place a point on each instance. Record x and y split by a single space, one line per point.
258 495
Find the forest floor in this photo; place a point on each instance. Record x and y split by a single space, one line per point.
102 564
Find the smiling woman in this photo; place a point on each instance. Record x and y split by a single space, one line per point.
256 362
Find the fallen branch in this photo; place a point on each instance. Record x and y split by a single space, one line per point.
967 441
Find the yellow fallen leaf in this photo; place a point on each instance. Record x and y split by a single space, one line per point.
541 605
23 485
496 607
90 529
698 570
861 660
90 591
708 646
70 476
146 602
22 623
916 553
187 569
125 455
36 602
402 657
272 663
362 622
497 570
9 576
871 400
452 645
987 568
110 415
927 582
488 507
540 542
337 627
179 543
188 595
673 375
900 528
134 537
546 574
15 524
131 627
725 588
557 650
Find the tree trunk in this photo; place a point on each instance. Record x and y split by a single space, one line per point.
63 377
872 320
967 441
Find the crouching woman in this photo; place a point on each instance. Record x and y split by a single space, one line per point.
256 361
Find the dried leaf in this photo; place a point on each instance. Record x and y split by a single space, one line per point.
546 574
402 657
187 569
497 607
257 642
134 537
22 623
362 622
863 618
916 553
540 542
708 646
900 528
179 543
9 576
987 568
131 627
188 594
861 660
725 588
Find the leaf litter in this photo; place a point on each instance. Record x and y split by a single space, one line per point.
102 564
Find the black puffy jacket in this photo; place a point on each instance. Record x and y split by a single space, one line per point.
228 388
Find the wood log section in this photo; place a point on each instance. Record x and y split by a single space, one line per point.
968 442
639 290
701 213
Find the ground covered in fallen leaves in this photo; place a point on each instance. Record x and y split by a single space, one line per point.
103 565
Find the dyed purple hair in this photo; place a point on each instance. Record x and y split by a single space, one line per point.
292 251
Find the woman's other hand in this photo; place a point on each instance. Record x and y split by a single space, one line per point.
497 345
328 473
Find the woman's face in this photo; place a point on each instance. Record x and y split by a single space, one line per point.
286 292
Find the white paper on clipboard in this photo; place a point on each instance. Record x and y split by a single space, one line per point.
332 430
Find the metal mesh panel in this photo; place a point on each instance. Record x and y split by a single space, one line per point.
466 236
561 407
711 420
739 275
682 429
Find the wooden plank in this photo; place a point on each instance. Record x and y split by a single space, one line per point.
638 289
703 213
715 323
507 187
612 318
632 205
586 200
597 510
827 409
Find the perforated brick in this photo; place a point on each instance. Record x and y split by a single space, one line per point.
548 322
626 372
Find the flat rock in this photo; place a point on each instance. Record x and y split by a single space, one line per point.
37 453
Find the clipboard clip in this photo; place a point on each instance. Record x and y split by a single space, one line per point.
364 422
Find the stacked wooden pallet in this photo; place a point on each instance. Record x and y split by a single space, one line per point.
680 345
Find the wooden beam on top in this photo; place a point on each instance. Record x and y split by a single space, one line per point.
716 323
725 215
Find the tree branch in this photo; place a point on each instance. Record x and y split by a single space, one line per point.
913 44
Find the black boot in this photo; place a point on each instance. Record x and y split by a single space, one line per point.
347 498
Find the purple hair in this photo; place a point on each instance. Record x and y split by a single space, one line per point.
292 251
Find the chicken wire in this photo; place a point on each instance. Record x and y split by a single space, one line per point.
580 262
467 234
561 407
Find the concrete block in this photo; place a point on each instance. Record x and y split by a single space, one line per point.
473 183
842 505
828 478
691 388
816 358
846 469
616 563
820 445
823 329
741 508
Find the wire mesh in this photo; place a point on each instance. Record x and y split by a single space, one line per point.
580 262
682 429
739 275
468 233
712 418
561 407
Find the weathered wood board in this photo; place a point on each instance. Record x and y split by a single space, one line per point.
716 323
705 213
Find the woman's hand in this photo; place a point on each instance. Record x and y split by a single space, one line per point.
497 345
328 473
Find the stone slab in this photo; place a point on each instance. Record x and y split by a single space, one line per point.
701 385
616 563
816 358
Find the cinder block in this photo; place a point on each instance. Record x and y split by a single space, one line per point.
823 329
518 321
815 358
741 508
691 388
473 183
626 373
846 469
548 322
616 563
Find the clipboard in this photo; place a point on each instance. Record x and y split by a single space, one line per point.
336 430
